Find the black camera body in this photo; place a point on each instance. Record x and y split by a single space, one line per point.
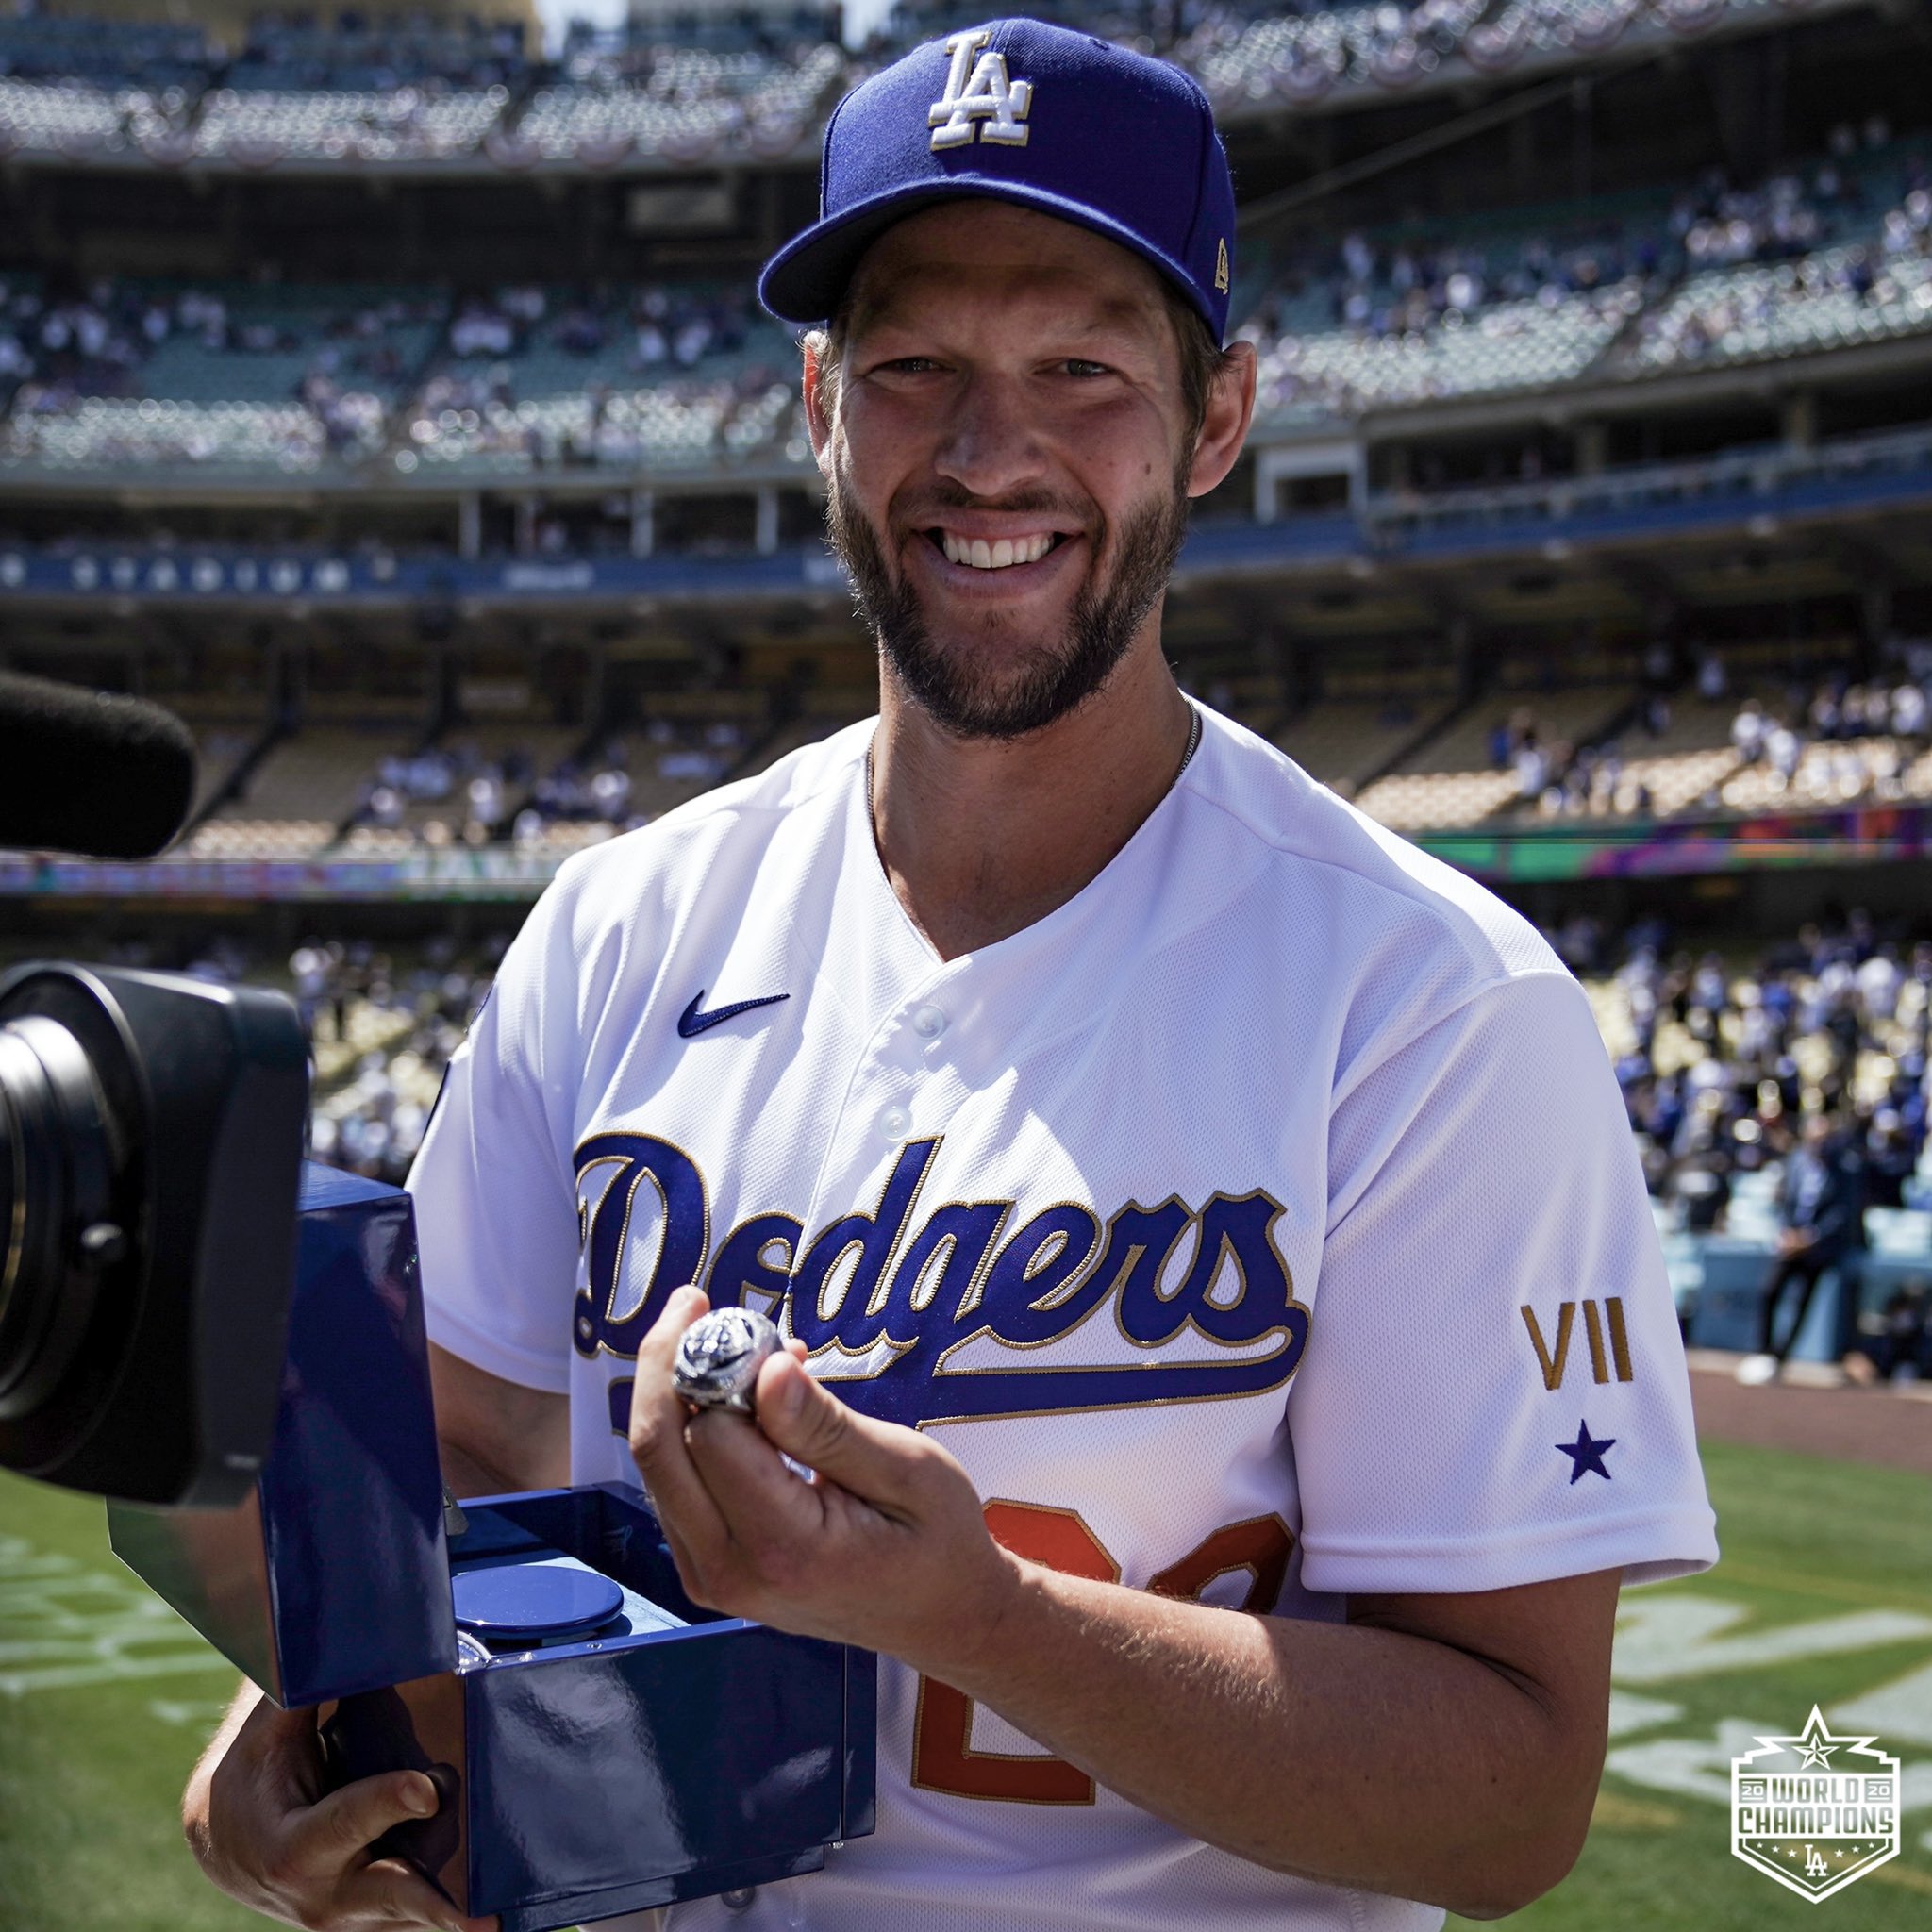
151 1136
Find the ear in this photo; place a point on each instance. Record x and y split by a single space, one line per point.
818 426
1224 428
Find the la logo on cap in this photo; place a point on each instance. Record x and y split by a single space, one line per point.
982 101
1220 266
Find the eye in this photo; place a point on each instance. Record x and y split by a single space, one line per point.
1081 366
906 365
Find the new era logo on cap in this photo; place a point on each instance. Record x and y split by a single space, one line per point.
1017 110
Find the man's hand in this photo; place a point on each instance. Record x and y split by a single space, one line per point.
1474 1722
888 1548
265 1833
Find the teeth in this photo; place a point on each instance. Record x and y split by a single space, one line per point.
980 555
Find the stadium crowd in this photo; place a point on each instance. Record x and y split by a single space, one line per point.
1831 738
670 374
459 792
1720 269
1812 1058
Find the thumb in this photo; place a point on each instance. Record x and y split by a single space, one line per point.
349 1820
807 1422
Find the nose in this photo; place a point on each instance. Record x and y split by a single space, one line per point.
991 445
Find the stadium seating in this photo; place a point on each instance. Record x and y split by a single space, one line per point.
100 432
1837 298
298 795
378 56
1508 346
681 103
1250 54
70 117
413 91
671 380
35 46
220 373
1629 285
550 790
289 378
259 126
1341 741
1452 780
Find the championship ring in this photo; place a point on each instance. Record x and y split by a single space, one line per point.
720 1355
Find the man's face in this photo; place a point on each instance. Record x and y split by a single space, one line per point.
1007 475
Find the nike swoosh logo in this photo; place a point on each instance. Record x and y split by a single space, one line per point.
690 1022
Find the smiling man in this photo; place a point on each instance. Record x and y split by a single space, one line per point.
1223 1308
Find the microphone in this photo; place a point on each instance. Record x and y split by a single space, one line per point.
88 773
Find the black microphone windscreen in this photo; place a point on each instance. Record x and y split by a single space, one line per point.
86 772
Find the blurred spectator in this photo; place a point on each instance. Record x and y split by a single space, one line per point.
1821 1228
1899 1347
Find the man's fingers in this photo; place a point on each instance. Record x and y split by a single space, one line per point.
656 1411
335 1828
658 1416
390 1891
810 1424
660 1345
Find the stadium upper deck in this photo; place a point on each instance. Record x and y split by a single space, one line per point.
434 96
317 410
386 383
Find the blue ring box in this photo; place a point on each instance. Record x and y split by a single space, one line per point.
593 1760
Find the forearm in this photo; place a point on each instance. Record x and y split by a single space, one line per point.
1355 1755
470 1474
493 1437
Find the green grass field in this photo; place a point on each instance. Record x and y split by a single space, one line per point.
1824 1596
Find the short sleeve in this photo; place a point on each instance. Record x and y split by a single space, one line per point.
1494 1390
495 1201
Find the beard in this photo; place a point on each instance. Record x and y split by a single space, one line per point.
964 695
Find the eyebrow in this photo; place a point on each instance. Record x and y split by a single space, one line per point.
1109 318
1129 323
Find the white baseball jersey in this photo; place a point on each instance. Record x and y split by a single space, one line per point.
1262 1225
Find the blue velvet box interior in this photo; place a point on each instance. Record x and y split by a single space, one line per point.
662 1753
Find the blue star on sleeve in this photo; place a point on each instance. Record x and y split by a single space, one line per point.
1585 1455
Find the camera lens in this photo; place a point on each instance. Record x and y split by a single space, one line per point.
59 1159
150 1158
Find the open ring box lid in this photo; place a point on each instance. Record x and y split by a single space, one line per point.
603 1745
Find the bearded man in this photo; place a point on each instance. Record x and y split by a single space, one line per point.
1245 1560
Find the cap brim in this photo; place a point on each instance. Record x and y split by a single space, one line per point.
805 281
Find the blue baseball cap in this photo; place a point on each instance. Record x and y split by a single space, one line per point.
1019 111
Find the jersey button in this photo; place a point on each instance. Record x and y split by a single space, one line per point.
896 1124
929 1022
